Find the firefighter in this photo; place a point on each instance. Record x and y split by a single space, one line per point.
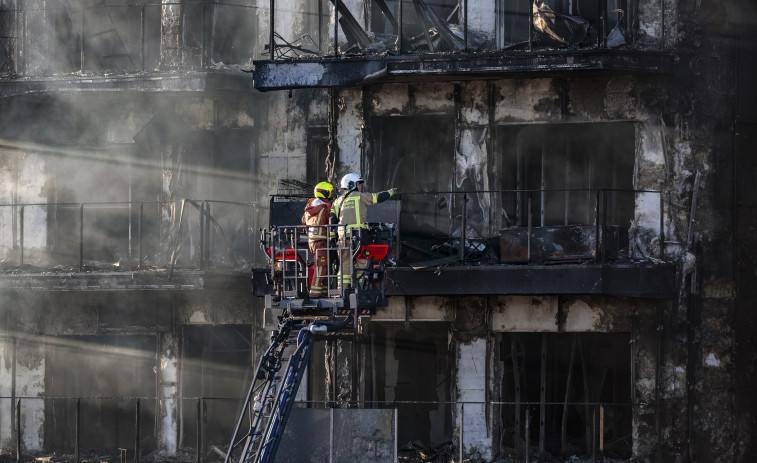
350 211
318 212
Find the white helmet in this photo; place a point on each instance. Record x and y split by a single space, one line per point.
350 181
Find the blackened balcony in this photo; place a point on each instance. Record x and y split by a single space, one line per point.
322 44
519 242
150 45
165 245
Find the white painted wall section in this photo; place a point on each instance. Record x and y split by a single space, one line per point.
168 434
390 99
430 308
519 99
524 314
580 317
434 98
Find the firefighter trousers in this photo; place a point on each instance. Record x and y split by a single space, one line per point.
319 286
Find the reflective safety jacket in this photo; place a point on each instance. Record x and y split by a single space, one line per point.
351 208
317 212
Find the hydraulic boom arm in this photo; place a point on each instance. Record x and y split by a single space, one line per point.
271 395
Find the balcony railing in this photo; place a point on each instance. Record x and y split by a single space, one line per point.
183 234
411 27
533 226
125 37
148 35
518 226
124 428
489 227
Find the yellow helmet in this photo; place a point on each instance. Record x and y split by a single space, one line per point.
324 190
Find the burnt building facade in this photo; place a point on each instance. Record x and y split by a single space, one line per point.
575 230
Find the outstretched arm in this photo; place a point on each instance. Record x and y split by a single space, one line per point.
384 195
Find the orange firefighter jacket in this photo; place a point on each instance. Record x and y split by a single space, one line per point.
317 212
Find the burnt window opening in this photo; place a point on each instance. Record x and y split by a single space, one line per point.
317 155
562 23
8 37
104 374
416 21
564 165
417 156
411 371
109 35
235 35
96 233
440 26
221 33
216 362
543 372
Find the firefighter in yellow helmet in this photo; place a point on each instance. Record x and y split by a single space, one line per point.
350 210
317 214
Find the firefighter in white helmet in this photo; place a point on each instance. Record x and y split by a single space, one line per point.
317 215
350 210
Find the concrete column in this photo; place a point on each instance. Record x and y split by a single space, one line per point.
350 129
339 363
471 397
30 387
7 406
168 392
22 377
650 167
34 42
170 35
480 17
470 331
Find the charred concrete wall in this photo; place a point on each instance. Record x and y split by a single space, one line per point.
107 350
616 358
63 150
683 129
478 110
690 356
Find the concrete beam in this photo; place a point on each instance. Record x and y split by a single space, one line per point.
212 81
348 71
653 281
102 281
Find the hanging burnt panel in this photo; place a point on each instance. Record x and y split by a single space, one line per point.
419 32
551 175
561 23
106 373
560 381
317 154
415 155
216 365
